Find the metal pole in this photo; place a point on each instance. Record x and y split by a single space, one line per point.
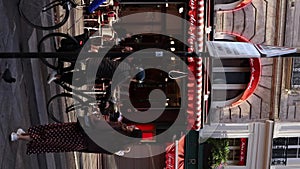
74 55
176 154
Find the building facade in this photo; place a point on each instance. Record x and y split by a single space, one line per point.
260 113
269 119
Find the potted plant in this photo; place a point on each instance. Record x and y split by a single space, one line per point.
219 151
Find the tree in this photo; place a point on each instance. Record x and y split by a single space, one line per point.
219 152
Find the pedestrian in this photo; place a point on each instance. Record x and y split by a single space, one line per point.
109 109
72 136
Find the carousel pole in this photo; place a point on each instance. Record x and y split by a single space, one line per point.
192 94
200 32
196 14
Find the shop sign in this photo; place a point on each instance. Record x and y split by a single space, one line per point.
243 151
229 50
271 51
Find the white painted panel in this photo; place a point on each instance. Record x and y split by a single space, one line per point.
286 129
227 130
293 162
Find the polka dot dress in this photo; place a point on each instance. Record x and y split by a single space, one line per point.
52 138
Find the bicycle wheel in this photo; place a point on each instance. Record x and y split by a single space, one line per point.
52 42
62 107
44 14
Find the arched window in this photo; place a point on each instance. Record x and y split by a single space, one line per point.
233 80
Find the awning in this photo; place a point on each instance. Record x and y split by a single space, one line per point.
255 68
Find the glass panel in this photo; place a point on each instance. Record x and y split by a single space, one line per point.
293 141
234 77
233 157
296 63
296 71
231 142
236 155
232 63
218 95
296 78
292 153
279 141
278 162
278 153
234 142
235 151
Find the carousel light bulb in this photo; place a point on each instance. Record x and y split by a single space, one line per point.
180 10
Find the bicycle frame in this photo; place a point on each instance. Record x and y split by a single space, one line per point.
84 99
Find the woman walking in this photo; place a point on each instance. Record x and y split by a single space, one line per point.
67 137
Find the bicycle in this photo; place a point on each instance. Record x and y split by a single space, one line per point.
80 98
60 66
83 95
81 101
52 42
48 15
84 101
41 14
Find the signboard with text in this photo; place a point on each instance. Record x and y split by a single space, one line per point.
224 49
232 49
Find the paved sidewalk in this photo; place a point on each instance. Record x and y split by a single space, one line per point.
22 104
17 110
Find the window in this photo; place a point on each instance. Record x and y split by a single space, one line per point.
234 154
233 150
233 77
230 78
292 153
235 147
285 151
219 95
293 141
279 151
293 147
295 81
